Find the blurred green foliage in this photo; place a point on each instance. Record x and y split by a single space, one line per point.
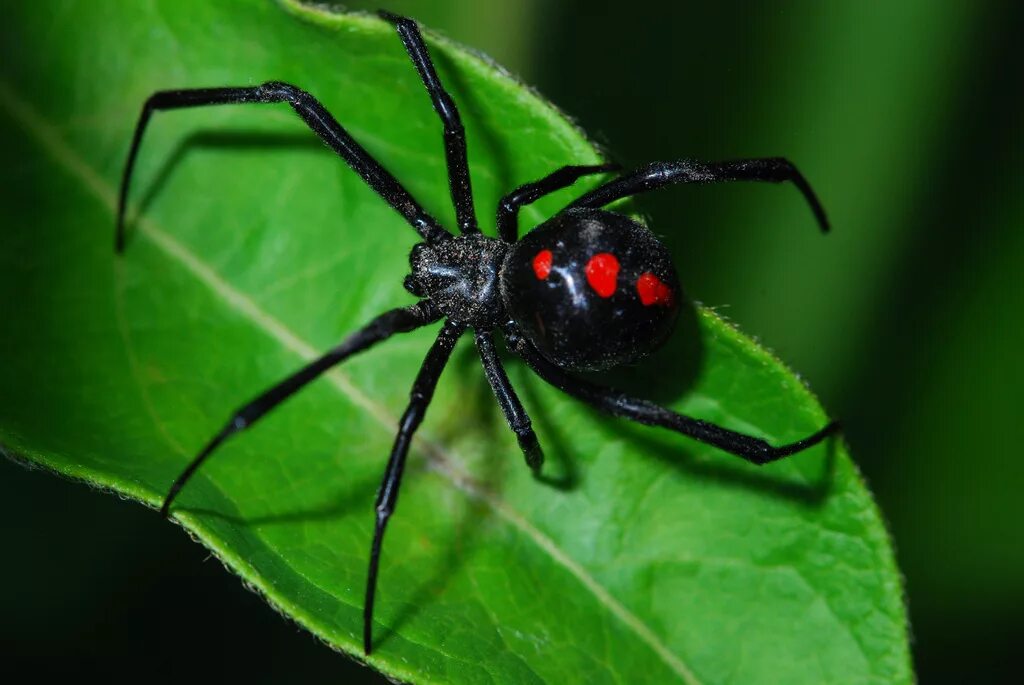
907 117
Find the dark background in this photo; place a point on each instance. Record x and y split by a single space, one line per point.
906 116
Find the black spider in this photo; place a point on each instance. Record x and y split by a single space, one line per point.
587 289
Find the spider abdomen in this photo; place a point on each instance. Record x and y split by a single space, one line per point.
591 289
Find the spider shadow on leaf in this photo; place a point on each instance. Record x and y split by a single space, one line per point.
671 450
358 498
218 139
341 503
463 538
810 492
670 372
487 474
663 377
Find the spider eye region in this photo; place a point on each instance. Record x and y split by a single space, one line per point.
591 289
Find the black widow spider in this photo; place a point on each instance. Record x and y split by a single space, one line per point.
587 289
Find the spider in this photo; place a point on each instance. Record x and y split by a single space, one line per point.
587 289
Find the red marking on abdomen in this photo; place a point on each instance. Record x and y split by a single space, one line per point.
652 291
602 272
542 264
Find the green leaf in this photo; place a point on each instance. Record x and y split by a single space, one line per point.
664 561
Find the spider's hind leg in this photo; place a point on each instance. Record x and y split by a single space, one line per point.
661 174
528 193
617 403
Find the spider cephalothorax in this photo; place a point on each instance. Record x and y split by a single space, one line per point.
461 277
587 289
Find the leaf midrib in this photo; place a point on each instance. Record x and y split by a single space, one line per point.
439 459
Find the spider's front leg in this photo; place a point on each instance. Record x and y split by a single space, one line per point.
419 398
444 105
316 117
661 174
383 327
528 193
617 403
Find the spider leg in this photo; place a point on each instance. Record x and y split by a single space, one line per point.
515 414
661 174
444 105
754 450
387 496
384 326
528 193
316 117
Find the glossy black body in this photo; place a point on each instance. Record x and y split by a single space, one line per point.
483 282
554 319
563 316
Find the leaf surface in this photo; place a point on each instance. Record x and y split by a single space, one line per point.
663 560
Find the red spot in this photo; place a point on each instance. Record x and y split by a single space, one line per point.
602 270
652 291
542 264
